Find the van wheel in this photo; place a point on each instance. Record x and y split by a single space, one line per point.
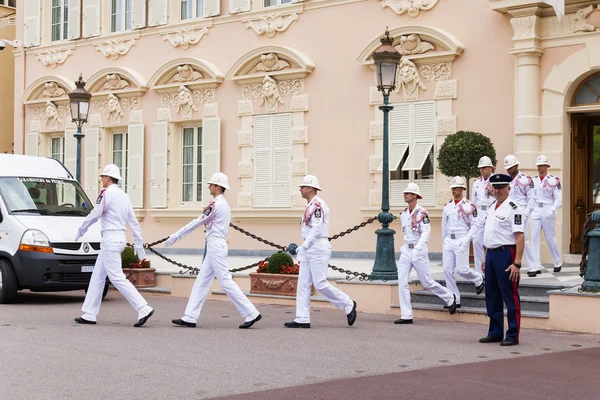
8 283
105 291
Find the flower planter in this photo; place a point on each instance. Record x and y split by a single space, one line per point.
141 277
279 284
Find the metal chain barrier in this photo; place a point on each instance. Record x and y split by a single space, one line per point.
585 242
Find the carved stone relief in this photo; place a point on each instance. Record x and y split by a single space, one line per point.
581 24
115 82
95 120
375 130
436 72
446 125
271 62
186 73
53 90
412 44
300 167
244 138
185 103
115 48
185 37
442 197
244 169
412 7
51 58
35 125
51 115
298 200
375 96
446 90
286 88
201 96
374 198
245 107
114 107
299 103
272 24
270 96
244 200
136 117
524 27
374 163
210 110
163 114
409 80
300 135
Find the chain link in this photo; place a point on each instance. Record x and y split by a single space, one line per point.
255 237
585 242
353 229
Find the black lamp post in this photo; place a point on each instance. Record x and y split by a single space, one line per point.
80 108
386 60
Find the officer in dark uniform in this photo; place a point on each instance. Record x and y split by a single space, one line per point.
503 240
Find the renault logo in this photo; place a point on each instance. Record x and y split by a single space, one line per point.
86 248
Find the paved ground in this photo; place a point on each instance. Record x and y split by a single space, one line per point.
44 355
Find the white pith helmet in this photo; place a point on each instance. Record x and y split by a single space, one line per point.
310 181
485 161
111 170
414 189
458 182
510 161
542 160
220 179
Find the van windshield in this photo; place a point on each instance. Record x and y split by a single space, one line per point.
44 196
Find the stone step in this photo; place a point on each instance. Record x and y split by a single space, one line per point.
525 289
156 290
528 303
315 297
471 310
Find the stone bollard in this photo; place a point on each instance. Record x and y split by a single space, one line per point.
591 279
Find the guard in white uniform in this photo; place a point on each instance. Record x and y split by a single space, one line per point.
414 254
548 200
522 192
459 224
314 255
216 217
482 196
114 209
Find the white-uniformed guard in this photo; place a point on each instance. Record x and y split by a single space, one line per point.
459 224
548 200
314 255
216 217
114 209
414 254
482 196
503 240
522 192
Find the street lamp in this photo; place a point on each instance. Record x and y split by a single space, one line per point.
80 107
386 60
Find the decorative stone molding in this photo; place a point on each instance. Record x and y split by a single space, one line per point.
436 72
49 113
374 198
300 135
51 89
202 96
409 81
375 96
412 44
126 104
446 126
245 107
270 96
244 200
244 138
524 27
271 62
375 130
412 7
285 88
136 117
211 110
185 37
95 120
115 82
115 48
186 73
442 197
51 58
244 169
163 114
113 105
271 24
184 101
299 167
298 200
581 24
299 103
374 163
35 125
446 90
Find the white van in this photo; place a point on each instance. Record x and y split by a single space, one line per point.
41 207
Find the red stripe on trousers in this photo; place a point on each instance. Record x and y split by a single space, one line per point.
516 296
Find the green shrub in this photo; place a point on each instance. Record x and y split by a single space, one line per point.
277 260
128 257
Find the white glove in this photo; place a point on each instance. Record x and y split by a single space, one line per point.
171 240
549 214
463 245
526 213
139 251
414 254
301 253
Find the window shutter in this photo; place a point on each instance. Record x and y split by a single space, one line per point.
282 158
138 14
31 28
158 166
263 180
31 143
212 8
397 193
211 153
92 137
74 24
135 163
91 18
157 12
238 6
71 150
423 122
427 189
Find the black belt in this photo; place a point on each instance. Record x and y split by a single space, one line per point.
501 248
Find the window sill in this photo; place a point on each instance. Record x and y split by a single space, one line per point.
267 216
140 213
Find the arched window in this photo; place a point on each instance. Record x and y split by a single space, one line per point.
588 92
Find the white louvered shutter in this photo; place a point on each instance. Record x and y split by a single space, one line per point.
31 23
157 12
74 23
92 179
211 153
138 14
71 150
399 131
32 143
263 180
423 127
397 193
135 164
282 160
158 166
91 18
211 8
238 6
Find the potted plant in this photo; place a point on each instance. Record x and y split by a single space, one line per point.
139 272
277 275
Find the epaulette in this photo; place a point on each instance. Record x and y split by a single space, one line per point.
450 201
513 205
537 176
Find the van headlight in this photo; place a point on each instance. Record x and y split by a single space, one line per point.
34 240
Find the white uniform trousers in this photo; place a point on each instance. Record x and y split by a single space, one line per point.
528 250
313 270
421 265
539 223
457 261
478 252
215 265
109 264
